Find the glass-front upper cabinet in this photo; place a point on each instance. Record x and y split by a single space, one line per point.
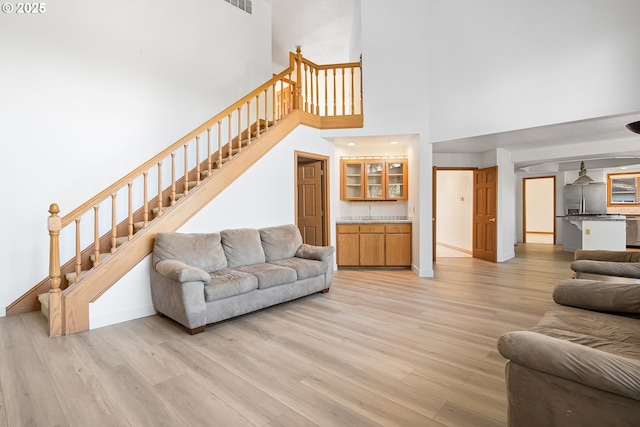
397 180
623 189
375 183
373 179
352 180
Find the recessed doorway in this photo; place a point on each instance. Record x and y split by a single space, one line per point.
312 198
539 210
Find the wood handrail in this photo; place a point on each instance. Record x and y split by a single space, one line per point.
116 186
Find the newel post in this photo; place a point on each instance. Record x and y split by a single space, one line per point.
297 99
55 296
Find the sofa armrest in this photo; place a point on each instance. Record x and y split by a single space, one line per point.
574 362
599 296
320 253
607 268
178 270
603 255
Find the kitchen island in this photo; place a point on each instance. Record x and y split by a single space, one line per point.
594 231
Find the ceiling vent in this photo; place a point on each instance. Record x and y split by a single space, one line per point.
242 5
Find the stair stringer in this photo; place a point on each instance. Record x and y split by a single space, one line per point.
77 297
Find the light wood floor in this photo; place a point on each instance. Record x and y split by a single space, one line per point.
384 347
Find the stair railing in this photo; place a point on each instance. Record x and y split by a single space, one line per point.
326 92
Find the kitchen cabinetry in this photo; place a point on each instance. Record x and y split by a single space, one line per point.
373 179
374 245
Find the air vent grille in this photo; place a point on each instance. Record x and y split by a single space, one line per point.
242 5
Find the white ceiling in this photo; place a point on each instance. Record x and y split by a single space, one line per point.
324 30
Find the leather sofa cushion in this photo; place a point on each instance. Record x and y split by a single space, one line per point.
242 247
304 268
227 282
270 274
198 250
280 242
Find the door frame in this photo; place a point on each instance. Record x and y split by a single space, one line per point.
325 190
434 218
524 206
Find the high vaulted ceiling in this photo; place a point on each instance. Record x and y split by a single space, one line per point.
324 29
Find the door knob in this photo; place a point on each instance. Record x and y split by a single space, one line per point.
492 220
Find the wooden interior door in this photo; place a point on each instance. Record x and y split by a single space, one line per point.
310 209
485 207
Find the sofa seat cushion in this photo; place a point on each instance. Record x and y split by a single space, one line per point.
613 334
227 282
269 275
304 268
242 247
280 242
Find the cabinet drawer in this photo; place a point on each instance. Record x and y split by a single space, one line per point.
347 228
377 228
398 228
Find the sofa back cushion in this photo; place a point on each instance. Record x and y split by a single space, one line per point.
198 250
242 247
280 242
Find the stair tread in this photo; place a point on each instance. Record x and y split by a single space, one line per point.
103 256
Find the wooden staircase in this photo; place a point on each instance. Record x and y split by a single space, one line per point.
202 164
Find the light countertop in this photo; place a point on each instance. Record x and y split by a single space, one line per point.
373 220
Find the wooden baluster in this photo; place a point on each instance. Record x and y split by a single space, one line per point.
266 109
273 104
78 268
145 209
310 91
55 296
186 169
229 138
305 88
353 93
219 144
159 214
209 166
248 123
334 93
343 104
130 185
239 130
317 112
326 93
173 179
197 160
257 116
281 100
96 236
114 226
360 86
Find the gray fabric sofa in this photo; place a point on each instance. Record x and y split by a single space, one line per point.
198 279
606 263
580 365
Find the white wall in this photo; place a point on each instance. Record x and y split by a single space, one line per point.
502 65
89 90
263 196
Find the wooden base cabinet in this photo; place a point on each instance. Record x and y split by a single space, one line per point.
374 245
348 245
